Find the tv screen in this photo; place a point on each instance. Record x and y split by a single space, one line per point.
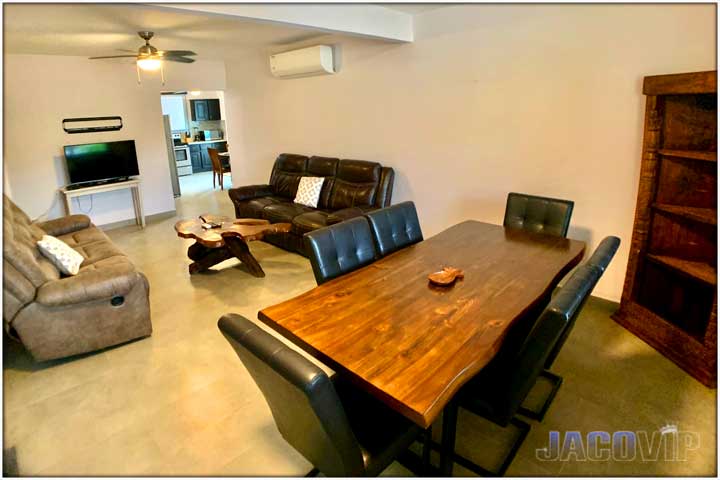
101 161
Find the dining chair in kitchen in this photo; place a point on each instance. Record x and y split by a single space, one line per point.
341 430
217 166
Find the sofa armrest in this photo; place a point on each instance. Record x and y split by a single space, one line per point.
348 213
90 285
63 225
249 192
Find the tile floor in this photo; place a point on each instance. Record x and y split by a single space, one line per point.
180 402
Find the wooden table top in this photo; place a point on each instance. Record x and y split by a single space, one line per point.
248 229
412 344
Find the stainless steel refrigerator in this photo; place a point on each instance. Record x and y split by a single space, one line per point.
171 156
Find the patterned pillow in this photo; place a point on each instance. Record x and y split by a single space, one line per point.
60 254
308 192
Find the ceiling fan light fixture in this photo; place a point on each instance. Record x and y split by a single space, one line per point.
150 64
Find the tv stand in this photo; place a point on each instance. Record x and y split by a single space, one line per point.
71 191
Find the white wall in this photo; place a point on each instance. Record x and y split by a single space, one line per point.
41 90
543 99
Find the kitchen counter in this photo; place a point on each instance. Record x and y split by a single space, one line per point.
207 141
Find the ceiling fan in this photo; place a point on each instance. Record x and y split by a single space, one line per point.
150 58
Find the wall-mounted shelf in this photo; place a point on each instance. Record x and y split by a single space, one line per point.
92 124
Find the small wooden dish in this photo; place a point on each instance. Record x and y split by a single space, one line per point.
446 277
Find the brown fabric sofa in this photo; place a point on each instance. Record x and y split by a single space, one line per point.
55 316
351 189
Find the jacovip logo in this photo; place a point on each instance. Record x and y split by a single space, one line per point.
668 444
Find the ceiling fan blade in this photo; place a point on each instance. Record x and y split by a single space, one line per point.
179 59
176 53
126 50
112 56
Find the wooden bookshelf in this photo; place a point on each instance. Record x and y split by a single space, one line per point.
702 215
691 154
669 298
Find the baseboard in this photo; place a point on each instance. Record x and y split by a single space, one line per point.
131 221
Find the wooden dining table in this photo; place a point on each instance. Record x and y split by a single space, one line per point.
412 344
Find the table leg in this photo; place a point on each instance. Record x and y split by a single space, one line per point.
449 425
208 258
240 249
68 205
141 213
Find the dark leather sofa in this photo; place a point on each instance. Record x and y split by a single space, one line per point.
351 189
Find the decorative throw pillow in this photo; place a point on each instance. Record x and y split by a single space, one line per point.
308 192
60 254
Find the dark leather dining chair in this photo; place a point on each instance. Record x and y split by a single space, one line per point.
600 259
395 227
499 390
340 248
538 214
340 430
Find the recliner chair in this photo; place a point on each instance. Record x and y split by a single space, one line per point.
342 431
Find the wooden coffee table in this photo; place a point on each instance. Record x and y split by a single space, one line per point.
216 245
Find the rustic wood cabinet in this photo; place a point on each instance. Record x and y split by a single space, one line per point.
669 297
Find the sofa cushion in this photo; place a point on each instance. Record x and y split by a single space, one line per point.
324 167
356 184
94 252
286 174
254 208
284 212
307 222
87 235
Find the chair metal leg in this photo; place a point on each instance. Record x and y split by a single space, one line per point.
427 448
556 381
507 461
313 473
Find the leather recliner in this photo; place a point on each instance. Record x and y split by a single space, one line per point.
341 430
351 189
56 316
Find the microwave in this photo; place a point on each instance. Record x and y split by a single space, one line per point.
213 134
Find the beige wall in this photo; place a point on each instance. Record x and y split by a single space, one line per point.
41 90
544 99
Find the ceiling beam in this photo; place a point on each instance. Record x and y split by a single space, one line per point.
355 19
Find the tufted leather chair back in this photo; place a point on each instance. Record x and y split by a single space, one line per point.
340 248
303 401
395 227
538 214
348 183
518 375
599 261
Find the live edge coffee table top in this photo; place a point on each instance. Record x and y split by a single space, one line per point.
248 229
412 344
215 245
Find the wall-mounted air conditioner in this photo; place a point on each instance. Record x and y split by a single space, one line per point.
316 60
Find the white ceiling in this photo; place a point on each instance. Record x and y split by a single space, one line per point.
102 29
413 8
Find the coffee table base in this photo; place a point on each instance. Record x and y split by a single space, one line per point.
204 257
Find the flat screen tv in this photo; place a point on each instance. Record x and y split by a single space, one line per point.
95 162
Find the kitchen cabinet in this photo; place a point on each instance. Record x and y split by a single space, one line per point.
200 158
202 110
